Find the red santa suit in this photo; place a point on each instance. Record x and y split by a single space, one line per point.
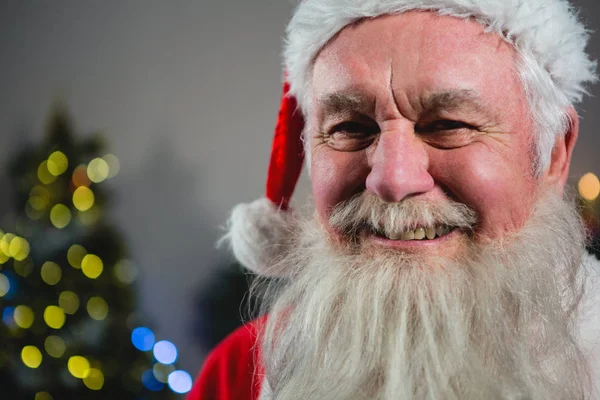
232 370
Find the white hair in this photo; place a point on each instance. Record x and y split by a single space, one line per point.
546 34
497 322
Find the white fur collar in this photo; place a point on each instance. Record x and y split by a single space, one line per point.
589 324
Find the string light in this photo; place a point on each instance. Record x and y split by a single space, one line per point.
113 164
161 372
180 382
5 243
51 273
60 216
55 346
143 338
150 382
31 356
43 396
589 186
57 163
4 285
23 316
19 248
23 268
44 175
92 266
75 254
165 352
97 170
83 198
80 177
125 272
93 378
54 317
97 308
8 316
69 302
78 366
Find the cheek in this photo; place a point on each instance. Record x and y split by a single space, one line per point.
336 176
499 186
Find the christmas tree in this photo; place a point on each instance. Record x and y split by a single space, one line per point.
69 327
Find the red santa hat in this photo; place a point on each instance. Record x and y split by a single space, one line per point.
258 230
556 72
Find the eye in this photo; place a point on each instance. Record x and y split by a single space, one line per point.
351 135
447 134
442 125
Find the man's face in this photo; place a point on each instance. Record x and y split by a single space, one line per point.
424 107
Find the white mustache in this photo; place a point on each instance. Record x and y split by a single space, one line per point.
367 211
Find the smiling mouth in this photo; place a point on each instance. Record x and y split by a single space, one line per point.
418 233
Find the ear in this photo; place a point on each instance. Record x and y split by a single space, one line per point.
560 160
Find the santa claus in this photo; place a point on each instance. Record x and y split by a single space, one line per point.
441 258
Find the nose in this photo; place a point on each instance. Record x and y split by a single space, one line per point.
399 167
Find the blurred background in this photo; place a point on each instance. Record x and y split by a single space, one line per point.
128 131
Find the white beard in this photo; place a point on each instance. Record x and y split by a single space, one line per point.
496 322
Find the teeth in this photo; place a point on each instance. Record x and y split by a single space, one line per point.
430 232
395 236
410 235
440 230
419 233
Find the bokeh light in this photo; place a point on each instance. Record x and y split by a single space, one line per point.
125 272
97 308
4 285
57 163
60 216
143 338
97 170
54 317
93 378
180 381
161 372
75 255
150 382
23 316
23 268
31 356
3 258
43 396
8 315
90 217
165 352
51 273
80 177
39 197
18 248
589 186
5 243
78 366
44 175
69 302
55 346
113 164
83 198
92 266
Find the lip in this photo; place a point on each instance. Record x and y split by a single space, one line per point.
409 245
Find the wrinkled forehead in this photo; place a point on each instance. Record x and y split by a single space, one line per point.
401 58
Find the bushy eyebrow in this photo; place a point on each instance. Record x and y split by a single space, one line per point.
450 100
338 102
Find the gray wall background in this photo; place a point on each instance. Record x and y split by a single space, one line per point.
186 93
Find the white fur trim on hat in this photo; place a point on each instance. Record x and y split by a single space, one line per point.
258 233
547 30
